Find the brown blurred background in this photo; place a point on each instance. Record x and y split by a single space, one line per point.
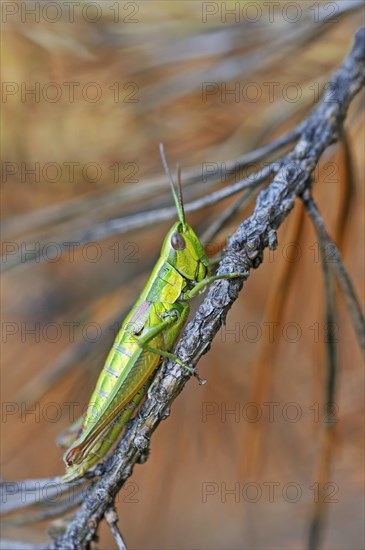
109 82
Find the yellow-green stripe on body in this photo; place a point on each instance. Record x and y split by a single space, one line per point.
128 366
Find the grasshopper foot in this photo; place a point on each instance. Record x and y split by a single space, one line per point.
201 381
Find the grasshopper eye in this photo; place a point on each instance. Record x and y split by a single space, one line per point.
177 241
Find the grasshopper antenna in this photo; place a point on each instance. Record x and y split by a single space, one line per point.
179 189
177 196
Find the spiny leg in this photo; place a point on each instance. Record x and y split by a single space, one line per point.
175 358
143 341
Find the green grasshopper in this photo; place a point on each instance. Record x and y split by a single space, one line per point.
148 333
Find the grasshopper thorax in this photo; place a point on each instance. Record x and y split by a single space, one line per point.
183 250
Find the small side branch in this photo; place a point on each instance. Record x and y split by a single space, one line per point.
328 435
337 265
111 518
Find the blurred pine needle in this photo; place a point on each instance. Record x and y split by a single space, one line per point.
166 70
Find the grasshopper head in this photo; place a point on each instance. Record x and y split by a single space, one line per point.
182 247
184 251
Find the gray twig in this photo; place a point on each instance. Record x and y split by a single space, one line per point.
244 252
318 517
22 494
112 520
143 219
336 264
6 544
47 512
213 230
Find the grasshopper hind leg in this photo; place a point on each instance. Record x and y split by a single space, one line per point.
105 441
99 449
